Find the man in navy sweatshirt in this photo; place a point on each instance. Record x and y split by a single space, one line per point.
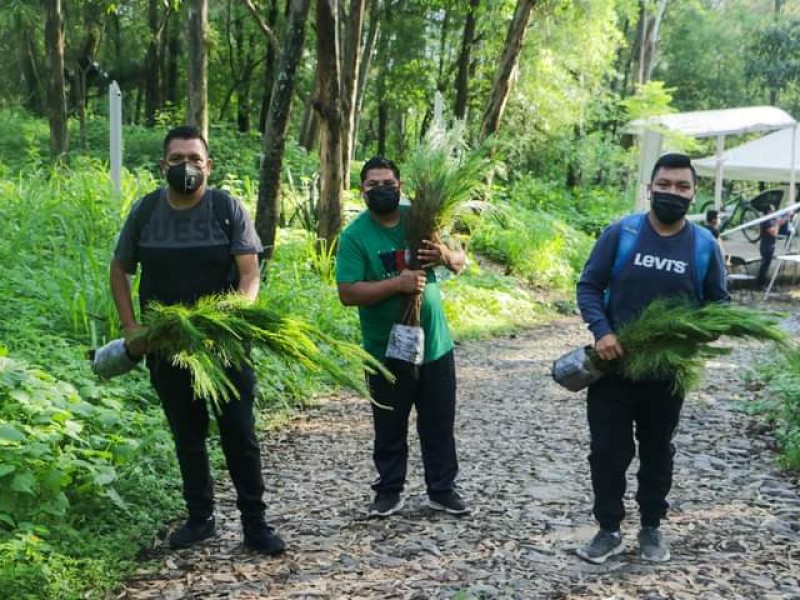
664 258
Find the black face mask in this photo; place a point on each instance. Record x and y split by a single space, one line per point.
185 178
669 208
383 199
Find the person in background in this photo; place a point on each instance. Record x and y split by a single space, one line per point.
712 224
766 244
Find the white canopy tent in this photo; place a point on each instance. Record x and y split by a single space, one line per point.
766 159
703 124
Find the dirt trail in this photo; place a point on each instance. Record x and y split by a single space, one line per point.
734 526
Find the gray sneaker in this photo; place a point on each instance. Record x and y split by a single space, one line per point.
603 544
652 545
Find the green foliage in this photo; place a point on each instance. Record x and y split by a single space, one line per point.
772 57
782 407
671 339
217 332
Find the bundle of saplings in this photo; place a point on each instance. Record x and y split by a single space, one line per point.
443 173
219 331
673 338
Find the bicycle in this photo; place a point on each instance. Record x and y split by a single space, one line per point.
739 211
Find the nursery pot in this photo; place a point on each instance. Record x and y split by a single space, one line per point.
112 359
575 370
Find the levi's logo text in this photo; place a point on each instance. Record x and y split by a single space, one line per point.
648 261
393 262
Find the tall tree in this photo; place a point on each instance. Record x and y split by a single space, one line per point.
269 205
508 65
649 28
373 31
462 77
327 103
56 92
197 114
152 84
350 71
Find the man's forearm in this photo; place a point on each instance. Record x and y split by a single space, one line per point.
455 260
367 293
121 292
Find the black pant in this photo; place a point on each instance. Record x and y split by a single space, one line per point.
188 420
614 405
433 393
767 253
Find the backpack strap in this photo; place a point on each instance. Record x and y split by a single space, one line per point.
630 227
704 247
222 203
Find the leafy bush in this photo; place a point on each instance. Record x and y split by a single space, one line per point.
783 408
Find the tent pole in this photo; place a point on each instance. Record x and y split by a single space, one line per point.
794 222
718 180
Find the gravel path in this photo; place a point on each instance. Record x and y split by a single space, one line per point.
734 526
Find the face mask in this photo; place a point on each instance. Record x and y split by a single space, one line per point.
669 208
185 178
383 199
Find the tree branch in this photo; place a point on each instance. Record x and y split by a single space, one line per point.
265 28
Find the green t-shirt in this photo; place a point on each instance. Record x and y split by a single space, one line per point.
370 252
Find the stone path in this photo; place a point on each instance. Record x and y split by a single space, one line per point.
734 526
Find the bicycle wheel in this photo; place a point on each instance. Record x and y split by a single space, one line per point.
753 233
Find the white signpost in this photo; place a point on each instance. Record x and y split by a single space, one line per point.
115 133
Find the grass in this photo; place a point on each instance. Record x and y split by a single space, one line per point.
781 409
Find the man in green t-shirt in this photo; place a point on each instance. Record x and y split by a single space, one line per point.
372 273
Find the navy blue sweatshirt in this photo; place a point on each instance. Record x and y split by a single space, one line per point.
658 267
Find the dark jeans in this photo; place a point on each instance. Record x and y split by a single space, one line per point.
767 253
433 393
188 420
614 406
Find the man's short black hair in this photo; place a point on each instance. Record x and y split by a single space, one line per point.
379 162
673 160
711 215
184 132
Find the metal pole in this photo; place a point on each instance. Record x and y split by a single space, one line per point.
718 179
115 133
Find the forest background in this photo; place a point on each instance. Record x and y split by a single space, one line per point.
294 95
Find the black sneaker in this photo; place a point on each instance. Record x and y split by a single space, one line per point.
385 504
262 538
449 502
652 545
193 532
603 545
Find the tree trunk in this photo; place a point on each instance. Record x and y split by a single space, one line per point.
383 123
56 93
508 65
327 103
462 78
649 29
309 124
33 100
197 113
152 86
351 69
173 54
269 206
269 69
373 31
92 22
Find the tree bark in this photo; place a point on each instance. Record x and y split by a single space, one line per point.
506 70
152 85
30 68
462 77
650 24
327 103
269 68
269 206
56 93
350 70
197 113
373 31
173 54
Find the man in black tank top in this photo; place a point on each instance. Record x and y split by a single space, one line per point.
185 252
